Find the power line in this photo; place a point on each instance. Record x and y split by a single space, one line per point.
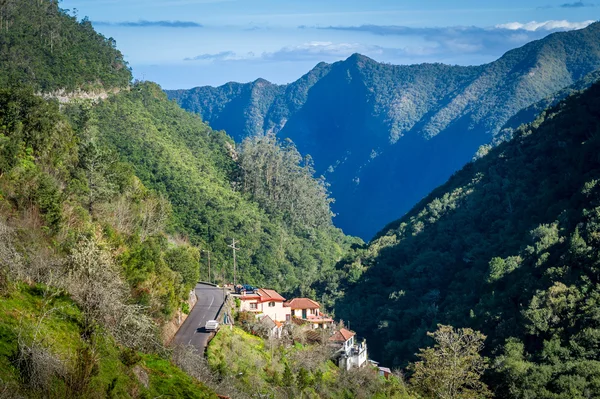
234 248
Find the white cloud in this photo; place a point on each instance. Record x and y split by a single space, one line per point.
222 56
321 51
452 41
438 43
310 51
534 26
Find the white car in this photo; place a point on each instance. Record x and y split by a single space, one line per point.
211 325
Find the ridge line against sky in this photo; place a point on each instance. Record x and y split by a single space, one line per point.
188 43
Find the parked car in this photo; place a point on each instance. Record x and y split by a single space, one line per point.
246 288
211 325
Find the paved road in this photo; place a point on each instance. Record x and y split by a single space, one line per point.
192 331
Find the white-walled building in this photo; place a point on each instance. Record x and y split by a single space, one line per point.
309 311
350 354
265 302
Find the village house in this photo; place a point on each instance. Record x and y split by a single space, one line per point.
265 302
384 372
274 328
349 354
309 311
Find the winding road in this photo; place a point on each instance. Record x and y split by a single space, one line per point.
192 331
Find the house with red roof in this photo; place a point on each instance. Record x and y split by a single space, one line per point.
349 352
309 312
265 302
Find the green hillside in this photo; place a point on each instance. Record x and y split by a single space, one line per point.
175 154
529 114
44 47
508 246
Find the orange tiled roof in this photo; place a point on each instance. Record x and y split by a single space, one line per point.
342 335
302 303
269 295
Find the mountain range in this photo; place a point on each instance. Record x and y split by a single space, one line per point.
384 135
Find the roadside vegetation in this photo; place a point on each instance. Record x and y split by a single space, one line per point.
286 369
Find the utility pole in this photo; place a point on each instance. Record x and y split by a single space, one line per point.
234 248
208 253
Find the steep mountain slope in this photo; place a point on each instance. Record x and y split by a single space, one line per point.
177 155
528 114
385 135
508 246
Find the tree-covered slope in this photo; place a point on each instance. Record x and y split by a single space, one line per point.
508 246
176 154
44 47
88 276
386 135
528 114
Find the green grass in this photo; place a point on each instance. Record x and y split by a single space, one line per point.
26 307
250 359
169 381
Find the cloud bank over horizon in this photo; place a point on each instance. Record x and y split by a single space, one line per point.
436 43
150 24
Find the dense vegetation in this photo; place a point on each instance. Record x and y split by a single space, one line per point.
300 364
60 363
282 181
411 126
269 367
194 167
508 246
529 114
72 236
44 47
106 208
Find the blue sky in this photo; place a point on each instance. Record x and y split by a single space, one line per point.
188 43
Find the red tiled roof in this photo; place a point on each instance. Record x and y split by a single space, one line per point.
347 334
342 335
269 295
302 303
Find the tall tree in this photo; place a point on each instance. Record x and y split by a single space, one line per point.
453 368
280 179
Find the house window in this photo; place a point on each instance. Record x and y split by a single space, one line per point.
271 304
287 317
253 306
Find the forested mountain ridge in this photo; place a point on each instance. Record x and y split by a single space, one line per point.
44 47
508 246
528 114
365 122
